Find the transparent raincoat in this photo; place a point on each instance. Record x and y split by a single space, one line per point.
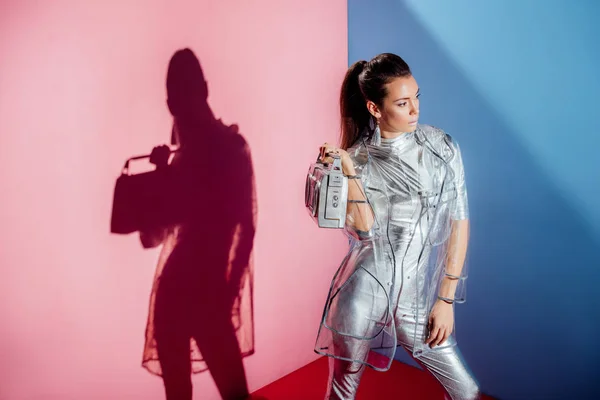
415 188
204 278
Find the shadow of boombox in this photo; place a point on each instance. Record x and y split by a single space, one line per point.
145 200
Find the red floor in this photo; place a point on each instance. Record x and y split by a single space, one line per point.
400 382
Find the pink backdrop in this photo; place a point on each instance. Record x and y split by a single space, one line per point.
82 87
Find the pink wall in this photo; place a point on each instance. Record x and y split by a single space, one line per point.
82 87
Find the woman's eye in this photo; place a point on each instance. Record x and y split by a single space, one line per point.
419 95
402 104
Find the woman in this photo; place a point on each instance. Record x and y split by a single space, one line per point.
201 315
407 219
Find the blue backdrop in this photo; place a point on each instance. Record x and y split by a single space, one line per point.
516 83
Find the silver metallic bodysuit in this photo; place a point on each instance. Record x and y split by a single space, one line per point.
383 292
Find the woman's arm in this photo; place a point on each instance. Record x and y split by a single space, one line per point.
456 249
359 214
441 318
155 236
455 258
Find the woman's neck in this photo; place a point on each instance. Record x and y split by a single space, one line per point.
390 135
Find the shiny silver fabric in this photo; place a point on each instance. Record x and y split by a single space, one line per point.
446 365
383 292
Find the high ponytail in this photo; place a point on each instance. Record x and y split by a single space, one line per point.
366 81
353 107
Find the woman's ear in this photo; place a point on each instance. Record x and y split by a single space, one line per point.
373 109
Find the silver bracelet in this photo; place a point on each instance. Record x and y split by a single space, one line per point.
452 276
446 300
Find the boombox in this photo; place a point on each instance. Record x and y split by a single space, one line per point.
142 201
326 193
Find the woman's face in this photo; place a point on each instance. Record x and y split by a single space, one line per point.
400 109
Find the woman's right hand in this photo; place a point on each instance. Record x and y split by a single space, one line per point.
327 149
160 156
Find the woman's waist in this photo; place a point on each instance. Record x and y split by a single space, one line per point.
403 244
389 265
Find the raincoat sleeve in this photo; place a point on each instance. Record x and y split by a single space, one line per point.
360 218
454 286
246 226
460 211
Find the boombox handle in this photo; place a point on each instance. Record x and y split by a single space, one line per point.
125 170
337 161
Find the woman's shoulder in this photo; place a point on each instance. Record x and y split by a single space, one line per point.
358 153
434 134
439 139
232 139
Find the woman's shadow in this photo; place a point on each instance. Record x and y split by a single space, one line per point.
201 312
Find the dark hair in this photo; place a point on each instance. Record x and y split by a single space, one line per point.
185 81
366 81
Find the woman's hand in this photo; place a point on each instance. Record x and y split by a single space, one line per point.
160 156
327 149
441 323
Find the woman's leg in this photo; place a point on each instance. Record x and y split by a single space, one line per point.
344 377
216 339
446 364
174 356
173 345
354 315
